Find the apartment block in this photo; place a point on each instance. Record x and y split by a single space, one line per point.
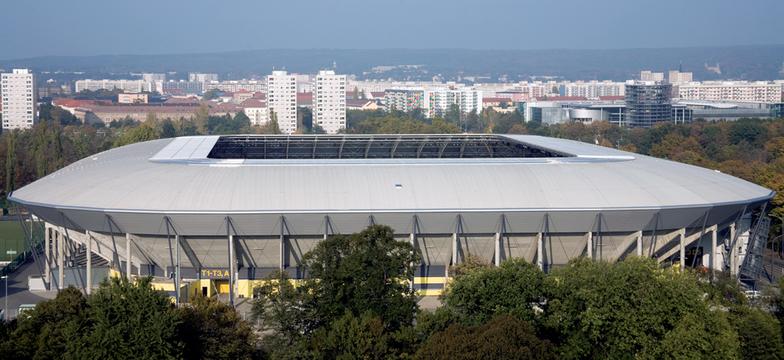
17 90
329 101
282 100
742 91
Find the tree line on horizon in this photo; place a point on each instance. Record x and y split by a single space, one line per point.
357 304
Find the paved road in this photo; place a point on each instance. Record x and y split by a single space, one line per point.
17 289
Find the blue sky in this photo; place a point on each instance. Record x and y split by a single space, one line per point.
90 27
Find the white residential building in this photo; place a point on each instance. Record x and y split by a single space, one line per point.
282 100
153 77
17 90
202 77
131 86
236 85
440 100
593 89
435 101
405 99
329 101
647 75
742 91
676 77
181 87
256 110
537 89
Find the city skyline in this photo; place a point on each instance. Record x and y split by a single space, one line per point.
354 24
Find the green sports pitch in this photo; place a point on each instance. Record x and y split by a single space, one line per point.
12 241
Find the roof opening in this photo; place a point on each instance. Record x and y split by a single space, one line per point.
375 147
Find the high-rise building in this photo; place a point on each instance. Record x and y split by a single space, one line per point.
153 77
202 77
647 75
17 90
282 100
647 103
329 101
677 77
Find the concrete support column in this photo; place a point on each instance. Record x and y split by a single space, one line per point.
540 251
454 248
177 274
412 241
497 253
60 260
733 251
282 246
713 245
128 264
682 236
48 256
639 243
89 262
232 269
589 244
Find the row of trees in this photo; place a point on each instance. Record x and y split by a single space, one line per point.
361 307
357 303
124 320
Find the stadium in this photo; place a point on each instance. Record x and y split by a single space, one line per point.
218 214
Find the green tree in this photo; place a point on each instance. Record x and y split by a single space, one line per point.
516 288
144 132
364 272
213 330
748 130
131 321
167 129
352 337
10 161
453 114
52 330
504 337
271 127
211 94
759 333
357 284
200 118
632 308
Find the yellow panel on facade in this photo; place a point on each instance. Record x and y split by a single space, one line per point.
223 287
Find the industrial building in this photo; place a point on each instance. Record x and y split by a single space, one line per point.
217 214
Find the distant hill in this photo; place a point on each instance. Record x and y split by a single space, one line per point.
737 62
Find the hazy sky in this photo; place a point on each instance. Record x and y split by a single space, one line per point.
89 27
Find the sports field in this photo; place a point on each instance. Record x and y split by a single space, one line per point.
11 239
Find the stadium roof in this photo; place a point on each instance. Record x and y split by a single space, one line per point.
253 174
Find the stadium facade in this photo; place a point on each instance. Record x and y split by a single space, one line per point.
211 214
